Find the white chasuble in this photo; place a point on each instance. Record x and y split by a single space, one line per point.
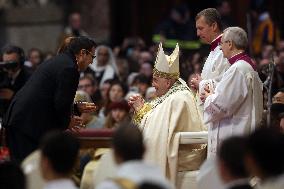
174 112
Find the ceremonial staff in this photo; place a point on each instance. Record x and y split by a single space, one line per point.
268 86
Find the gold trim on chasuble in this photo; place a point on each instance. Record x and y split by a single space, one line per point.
138 116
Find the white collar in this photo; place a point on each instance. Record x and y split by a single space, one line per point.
216 38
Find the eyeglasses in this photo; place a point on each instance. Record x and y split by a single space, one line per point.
221 43
93 56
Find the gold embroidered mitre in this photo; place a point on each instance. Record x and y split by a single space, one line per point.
167 66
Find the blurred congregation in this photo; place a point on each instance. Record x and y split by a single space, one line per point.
189 97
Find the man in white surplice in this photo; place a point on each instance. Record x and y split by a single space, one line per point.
173 111
235 106
209 29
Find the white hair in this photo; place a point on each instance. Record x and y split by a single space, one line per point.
237 35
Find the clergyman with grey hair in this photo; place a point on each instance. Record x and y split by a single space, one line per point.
235 106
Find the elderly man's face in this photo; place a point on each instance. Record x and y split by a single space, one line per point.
161 85
225 46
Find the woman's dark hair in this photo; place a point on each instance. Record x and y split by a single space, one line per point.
122 85
124 89
74 44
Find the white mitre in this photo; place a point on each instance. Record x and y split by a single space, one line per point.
167 66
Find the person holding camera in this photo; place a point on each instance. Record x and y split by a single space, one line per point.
13 75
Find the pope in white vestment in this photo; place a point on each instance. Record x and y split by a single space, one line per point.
171 112
236 105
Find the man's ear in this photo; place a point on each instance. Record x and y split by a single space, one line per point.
231 45
215 26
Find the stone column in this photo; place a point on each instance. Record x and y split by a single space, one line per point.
95 18
33 26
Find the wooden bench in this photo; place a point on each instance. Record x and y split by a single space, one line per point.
95 138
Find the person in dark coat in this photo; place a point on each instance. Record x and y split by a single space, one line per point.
45 101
